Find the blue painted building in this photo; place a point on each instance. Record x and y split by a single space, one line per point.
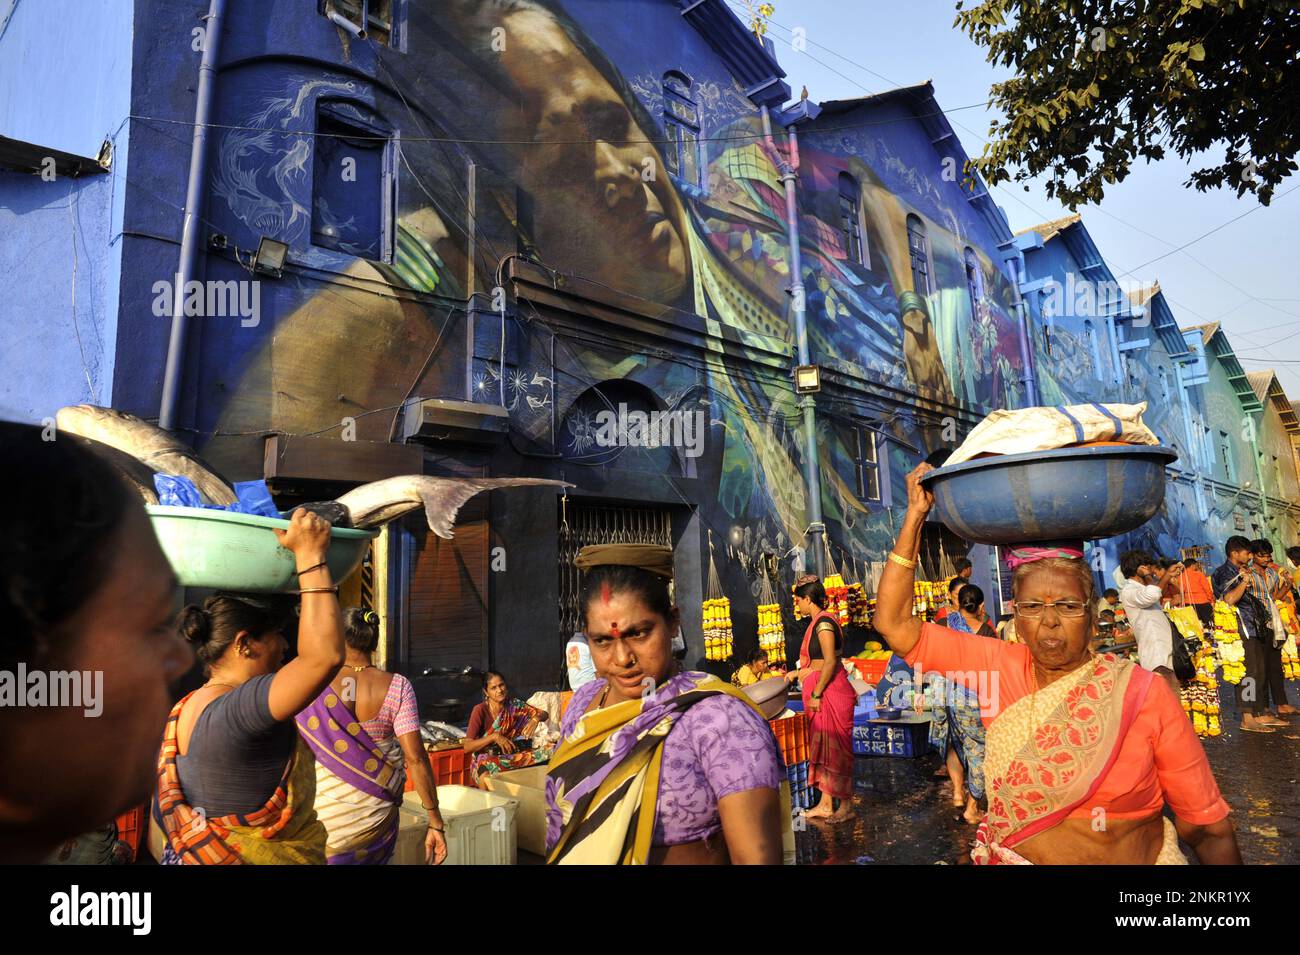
448 237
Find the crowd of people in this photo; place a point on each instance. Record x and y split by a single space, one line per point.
305 759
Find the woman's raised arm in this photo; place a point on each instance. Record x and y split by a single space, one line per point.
320 628
894 619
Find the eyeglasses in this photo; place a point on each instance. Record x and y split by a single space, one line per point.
1034 608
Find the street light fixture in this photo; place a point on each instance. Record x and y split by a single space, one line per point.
270 256
807 379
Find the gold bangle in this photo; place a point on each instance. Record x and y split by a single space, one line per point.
319 590
902 561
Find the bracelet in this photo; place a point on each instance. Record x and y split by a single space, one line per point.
319 590
902 561
436 829
299 573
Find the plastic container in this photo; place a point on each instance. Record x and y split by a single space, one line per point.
1068 493
528 786
239 552
791 738
450 768
481 828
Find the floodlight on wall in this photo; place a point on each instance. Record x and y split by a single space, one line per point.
807 379
270 256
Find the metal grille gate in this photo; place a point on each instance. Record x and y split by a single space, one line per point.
582 524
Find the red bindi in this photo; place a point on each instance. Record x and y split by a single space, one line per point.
613 630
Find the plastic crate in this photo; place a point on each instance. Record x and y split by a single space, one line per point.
481 828
906 737
802 795
791 738
450 768
131 829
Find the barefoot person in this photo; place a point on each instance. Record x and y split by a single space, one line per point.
828 699
1072 736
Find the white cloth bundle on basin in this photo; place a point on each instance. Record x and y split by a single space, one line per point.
1046 429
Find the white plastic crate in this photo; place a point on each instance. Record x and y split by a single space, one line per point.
481 827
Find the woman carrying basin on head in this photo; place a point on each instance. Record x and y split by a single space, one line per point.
657 765
1073 736
236 783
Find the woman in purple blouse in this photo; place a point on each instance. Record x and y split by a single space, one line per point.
656 765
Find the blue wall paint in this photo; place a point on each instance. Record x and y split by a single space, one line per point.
64 89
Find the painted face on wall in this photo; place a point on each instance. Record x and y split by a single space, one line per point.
598 206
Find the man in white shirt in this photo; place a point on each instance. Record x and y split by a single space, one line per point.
1140 598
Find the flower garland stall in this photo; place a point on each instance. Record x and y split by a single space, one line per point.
1227 637
771 630
1200 697
718 641
1290 663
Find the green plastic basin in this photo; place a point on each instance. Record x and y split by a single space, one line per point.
229 551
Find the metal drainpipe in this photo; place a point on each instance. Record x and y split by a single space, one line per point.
192 222
807 405
1026 351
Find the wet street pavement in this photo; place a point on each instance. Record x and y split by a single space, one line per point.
904 816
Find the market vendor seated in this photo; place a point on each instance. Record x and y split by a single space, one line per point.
758 668
500 731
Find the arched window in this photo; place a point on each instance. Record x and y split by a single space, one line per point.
918 247
974 280
682 124
855 242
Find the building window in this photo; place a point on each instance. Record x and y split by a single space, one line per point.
1094 348
919 249
352 201
373 16
1225 449
868 467
855 243
974 281
682 124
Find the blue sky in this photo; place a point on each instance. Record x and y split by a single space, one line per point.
857 47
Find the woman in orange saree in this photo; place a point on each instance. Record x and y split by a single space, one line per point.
1084 750
828 699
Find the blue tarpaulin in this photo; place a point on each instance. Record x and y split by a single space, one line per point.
253 496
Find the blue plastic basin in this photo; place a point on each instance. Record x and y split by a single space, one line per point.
1050 495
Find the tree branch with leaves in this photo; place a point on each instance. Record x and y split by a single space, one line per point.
1101 84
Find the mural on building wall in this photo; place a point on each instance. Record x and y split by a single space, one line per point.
561 141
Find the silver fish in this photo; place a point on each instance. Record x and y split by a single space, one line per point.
146 443
136 473
382 501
